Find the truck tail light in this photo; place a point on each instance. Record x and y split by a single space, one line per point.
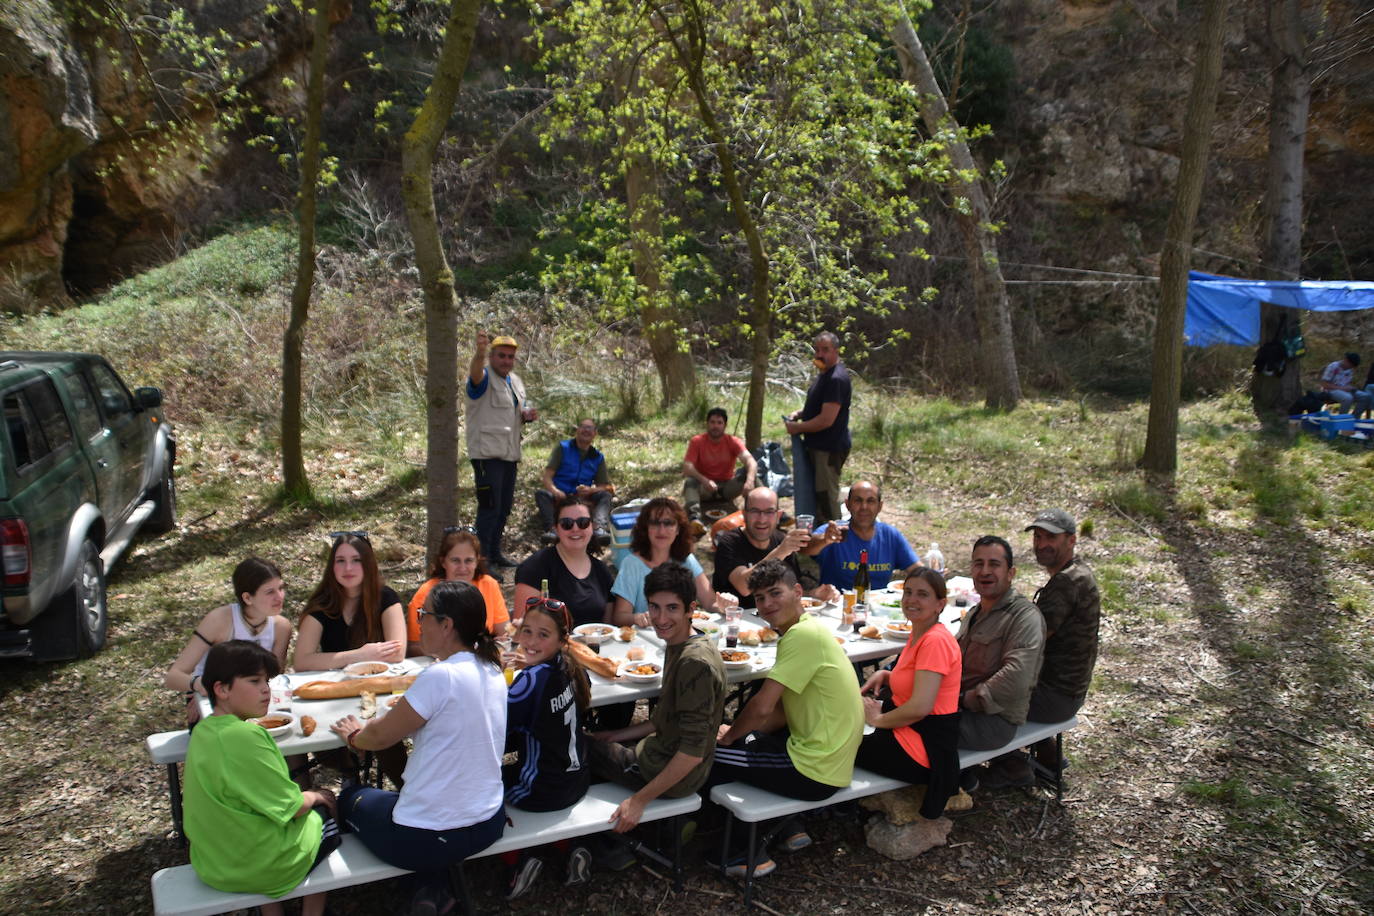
15 552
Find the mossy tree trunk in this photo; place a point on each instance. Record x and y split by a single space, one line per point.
1290 99
295 481
436 278
973 214
1161 435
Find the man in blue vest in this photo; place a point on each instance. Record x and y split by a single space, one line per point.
575 466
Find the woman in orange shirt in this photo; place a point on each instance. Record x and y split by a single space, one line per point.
460 559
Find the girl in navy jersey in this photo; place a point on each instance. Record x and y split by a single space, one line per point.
544 712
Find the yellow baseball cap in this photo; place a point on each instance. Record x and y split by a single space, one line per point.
505 341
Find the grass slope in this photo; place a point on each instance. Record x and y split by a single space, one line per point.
1225 755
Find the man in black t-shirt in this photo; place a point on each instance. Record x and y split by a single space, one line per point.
740 550
823 423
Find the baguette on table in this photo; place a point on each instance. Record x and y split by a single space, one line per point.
334 690
596 664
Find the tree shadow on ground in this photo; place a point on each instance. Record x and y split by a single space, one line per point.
1277 665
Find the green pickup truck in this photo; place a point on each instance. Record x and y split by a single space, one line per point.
84 466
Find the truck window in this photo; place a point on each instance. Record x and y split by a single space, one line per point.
26 439
50 413
114 399
87 416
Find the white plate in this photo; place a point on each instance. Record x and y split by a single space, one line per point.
280 729
700 617
623 671
367 669
743 663
600 632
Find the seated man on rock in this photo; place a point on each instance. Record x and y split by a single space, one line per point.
837 547
1002 639
576 467
1071 607
709 468
739 550
799 734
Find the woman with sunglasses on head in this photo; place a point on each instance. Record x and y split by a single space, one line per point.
451 804
459 559
352 616
576 578
548 702
660 534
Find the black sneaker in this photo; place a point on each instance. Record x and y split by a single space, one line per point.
500 561
579 867
968 779
792 835
736 864
522 877
602 538
612 855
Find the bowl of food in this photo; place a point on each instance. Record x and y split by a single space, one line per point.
736 658
366 669
594 634
640 671
897 629
277 723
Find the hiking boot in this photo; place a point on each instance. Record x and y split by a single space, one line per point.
579 867
500 561
968 779
612 855
1012 771
602 538
792 835
522 876
549 538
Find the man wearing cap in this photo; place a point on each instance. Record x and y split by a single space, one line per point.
1072 609
1338 380
576 466
496 412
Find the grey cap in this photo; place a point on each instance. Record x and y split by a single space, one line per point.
1055 521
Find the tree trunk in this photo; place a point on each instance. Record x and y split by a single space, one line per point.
1289 101
436 279
294 479
659 320
1161 435
1001 385
760 309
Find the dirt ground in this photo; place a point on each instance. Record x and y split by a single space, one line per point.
1222 763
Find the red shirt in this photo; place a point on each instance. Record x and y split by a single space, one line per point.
936 651
714 457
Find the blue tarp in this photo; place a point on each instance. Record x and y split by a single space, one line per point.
1226 310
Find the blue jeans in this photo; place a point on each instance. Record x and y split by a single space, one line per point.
367 811
494 481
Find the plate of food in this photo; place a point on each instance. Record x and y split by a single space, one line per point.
897 629
640 671
595 633
277 723
812 604
366 669
625 634
870 632
737 658
704 616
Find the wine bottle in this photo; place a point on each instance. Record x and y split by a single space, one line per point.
861 580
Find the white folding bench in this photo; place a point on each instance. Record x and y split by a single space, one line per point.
753 805
179 891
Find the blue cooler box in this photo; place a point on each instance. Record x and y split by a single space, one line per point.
622 524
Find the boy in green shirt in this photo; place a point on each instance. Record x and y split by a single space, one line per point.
252 830
799 734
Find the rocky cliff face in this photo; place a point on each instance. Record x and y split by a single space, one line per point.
109 135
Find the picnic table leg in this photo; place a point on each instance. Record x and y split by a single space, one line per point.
749 865
677 853
1059 770
174 796
459 884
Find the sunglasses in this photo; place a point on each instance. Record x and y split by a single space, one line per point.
337 535
567 523
662 523
551 604
453 529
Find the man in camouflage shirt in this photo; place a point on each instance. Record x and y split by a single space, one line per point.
1072 609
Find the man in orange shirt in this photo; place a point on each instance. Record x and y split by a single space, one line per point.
710 468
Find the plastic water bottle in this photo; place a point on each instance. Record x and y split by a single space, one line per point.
934 559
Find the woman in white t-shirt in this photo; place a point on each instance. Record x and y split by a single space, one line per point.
451 804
